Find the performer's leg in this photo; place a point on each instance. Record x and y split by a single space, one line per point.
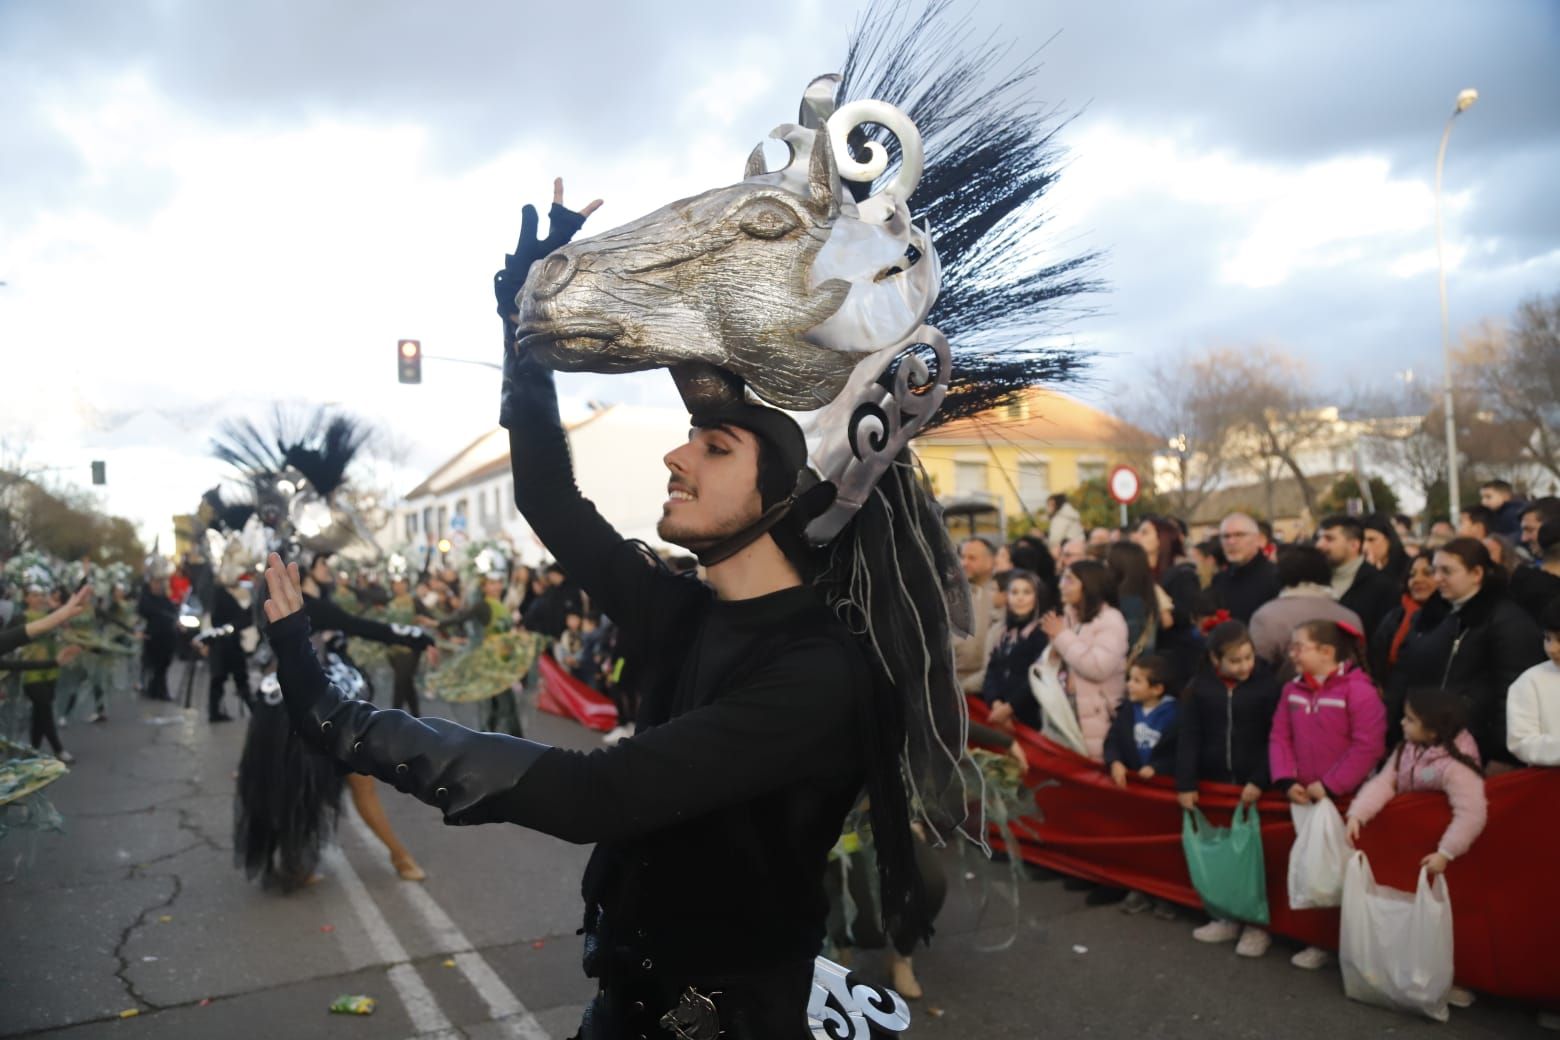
365 796
214 695
240 670
935 884
41 695
403 669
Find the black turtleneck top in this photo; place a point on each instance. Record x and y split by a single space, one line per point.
713 823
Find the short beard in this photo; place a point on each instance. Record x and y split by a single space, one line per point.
697 541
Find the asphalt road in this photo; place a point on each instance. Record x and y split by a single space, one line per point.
134 923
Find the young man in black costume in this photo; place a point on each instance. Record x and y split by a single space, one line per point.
757 730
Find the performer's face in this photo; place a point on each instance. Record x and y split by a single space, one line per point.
713 490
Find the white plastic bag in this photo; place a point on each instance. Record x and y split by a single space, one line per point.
1396 947
1317 860
1058 718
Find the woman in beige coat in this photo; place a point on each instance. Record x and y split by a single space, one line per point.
1090 644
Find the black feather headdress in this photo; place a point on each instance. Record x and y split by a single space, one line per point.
991 156
224 513
320 445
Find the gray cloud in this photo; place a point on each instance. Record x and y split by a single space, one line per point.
1277 83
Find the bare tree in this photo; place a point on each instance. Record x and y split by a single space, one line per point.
1277 409
1517 372
1187 406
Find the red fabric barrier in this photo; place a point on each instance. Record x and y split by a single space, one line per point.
1505 913
563 694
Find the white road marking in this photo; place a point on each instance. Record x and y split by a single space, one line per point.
424 1011
502 1004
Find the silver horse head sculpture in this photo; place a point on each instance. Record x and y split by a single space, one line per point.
781 286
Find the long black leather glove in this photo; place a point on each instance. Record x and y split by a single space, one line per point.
456 770
562 225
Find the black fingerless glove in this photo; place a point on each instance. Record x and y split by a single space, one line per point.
562 225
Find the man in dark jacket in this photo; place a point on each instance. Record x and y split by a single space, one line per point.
549 614
1534 588
1358 585
1251 579
161 615
225 653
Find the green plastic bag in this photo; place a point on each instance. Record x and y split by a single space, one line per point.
1226 864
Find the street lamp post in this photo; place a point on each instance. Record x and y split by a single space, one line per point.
1465 101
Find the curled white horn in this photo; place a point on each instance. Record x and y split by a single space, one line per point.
912 158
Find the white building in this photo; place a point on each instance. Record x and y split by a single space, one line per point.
617 452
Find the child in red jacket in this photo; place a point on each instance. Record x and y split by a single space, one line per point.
1329 728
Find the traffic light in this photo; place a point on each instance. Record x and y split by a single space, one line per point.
99 473
408 356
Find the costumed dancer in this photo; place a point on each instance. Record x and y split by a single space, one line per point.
487 616
232 615
161 616
403 610
288 796
42 657
816 663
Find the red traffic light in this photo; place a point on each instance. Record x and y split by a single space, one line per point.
409 361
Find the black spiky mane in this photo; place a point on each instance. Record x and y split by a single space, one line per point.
991 156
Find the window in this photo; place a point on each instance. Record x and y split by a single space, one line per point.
427 520
968 477
1088 471
1015 411
444 515
1034 483
462 508
411 526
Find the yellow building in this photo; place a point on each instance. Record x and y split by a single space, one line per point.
1017 455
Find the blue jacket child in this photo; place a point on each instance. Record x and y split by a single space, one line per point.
1143 732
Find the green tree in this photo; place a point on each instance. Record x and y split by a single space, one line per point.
1348 487
1098 509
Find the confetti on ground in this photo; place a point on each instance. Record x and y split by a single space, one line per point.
148 959
327 928
538 944
352 1005
165 918
129 1012
969 875
204 1001
449 962
935 1012
1080 949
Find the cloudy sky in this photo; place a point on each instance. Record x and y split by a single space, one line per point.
209 206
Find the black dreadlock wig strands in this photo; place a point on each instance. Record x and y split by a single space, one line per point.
887 577
991 156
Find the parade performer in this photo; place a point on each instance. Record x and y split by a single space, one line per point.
816 661
288 796
161 616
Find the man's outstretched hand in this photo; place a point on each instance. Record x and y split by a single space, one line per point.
285 589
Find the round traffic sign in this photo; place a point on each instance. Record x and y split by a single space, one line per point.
1125 485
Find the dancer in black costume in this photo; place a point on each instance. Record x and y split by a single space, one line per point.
761 722
813 664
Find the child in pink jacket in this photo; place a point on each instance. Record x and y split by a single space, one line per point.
1329 727
1437 754
1330 724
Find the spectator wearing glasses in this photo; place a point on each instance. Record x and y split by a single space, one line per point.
1250 579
